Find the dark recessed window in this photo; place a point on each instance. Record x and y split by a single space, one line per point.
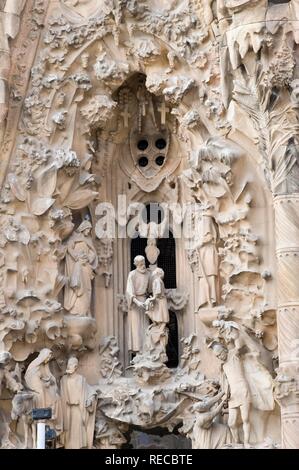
153 212
167 260
143 161
277 2
160 160
172 348
142 144
160 144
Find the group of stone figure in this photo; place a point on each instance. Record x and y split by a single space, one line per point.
244 393
244 387
73 401
245 383
244 378
146 300
145 289
81 262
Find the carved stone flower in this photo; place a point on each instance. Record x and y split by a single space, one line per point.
98 110
59 119
107 69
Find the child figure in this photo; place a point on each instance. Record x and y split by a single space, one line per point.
156 306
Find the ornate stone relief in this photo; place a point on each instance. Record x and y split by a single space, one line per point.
10 23
187 102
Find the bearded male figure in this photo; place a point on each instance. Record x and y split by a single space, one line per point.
136 292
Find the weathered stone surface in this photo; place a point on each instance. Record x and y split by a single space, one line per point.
109 109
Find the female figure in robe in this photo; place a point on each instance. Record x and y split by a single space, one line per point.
81 261
40 379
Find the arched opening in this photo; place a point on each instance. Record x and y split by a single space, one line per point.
167 261
167 258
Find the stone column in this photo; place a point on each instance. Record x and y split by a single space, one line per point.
287 252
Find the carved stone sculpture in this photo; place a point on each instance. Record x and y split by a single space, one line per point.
137 289
156 305
207 260
108 434
9 382
206 431
238 389
79 405
108 108
6 378
152 251
41 381
22 406
149 365
245 380
81 261
110 365
9 27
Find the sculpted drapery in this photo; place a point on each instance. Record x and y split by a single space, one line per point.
81 261
79 405
208 261
40 380
159 311
137 288
73 100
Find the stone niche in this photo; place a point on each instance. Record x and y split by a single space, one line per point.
149 223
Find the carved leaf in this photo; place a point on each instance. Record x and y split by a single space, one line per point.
80 199
46 183
24 236
40 205
16 187
276 125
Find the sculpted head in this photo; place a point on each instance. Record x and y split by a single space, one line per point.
207 209
220 351
5 357
72 365
158 272
201 407
139 262
85 228
45 355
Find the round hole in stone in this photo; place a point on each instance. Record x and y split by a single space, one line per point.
143 161
161 144
142 144
160 160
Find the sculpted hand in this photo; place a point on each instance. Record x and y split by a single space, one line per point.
25 273
88 402
236 353
138 303
18 387
148 304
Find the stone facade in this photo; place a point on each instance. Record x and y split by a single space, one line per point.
149 234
